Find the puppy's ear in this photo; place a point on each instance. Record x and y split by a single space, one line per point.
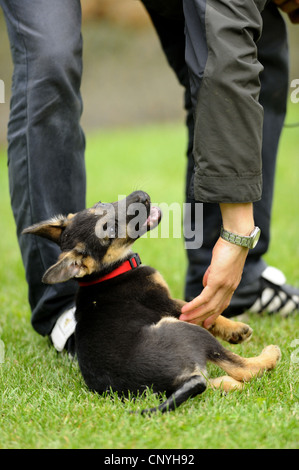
50 229
71 264
68 266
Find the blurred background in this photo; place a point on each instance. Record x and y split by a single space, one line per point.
126 79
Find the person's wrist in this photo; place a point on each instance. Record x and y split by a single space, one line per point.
237 218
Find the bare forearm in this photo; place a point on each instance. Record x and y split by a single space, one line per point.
238 218
225 271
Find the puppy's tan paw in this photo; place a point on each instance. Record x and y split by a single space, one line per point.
240 333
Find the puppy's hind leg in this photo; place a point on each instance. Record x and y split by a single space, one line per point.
226 383
194 385
244 369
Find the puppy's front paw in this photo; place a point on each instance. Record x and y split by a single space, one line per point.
240 333
231 331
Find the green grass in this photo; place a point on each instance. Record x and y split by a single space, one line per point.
44 402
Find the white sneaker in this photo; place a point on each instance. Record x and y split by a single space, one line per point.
63 329
276 296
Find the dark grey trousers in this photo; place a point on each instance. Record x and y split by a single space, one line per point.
46 144
45 141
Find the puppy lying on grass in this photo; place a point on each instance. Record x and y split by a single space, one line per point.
128 336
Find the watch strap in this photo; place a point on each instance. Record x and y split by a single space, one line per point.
240 240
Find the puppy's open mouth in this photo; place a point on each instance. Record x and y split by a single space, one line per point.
153 219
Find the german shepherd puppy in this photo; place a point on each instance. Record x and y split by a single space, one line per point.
128 335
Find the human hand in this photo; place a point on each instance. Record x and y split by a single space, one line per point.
291 7
220 281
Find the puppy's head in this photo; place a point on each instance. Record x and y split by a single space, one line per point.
96 238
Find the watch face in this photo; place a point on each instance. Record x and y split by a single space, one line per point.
255 236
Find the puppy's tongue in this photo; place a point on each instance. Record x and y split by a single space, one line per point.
154 217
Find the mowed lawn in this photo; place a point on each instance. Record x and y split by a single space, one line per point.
44 402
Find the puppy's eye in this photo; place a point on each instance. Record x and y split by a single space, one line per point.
111 232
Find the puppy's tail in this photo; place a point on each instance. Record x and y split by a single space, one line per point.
195 385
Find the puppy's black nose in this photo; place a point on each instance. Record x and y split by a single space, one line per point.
139 196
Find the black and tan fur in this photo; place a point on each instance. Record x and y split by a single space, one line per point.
128 336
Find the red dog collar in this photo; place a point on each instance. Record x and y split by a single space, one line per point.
131 263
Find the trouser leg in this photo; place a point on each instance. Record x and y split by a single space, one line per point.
273 54
45 141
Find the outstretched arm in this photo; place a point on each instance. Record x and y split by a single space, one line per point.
221 55
225 271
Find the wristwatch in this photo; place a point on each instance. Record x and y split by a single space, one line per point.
248 242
